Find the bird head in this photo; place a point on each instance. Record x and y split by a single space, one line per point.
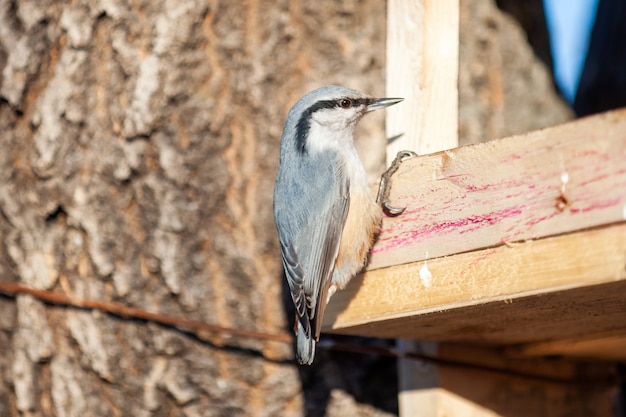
328 115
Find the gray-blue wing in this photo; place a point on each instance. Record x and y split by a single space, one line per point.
309 251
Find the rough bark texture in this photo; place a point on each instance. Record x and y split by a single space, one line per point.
138 151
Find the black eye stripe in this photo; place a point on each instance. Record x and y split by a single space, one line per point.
355 102
304 123
330 104
366 101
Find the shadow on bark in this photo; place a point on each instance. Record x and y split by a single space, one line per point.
369 379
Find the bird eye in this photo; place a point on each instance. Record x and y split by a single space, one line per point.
345 103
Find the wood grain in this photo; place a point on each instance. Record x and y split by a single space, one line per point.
549 289
607 345
467 204
422 67
556 180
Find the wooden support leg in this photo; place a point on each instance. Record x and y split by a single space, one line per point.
418 381
492 384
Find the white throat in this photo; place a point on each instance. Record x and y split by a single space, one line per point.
323 139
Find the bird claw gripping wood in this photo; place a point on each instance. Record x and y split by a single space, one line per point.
384 187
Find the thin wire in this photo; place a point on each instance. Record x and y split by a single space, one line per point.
123 311
195 326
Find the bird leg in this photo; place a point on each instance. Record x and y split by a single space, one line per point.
384 187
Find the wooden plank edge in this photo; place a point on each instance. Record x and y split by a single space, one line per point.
422 67
608 346
494 275
556 180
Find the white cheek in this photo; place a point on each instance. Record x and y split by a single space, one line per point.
321 138
342 143
336 119
330 130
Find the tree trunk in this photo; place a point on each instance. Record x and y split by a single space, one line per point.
139 147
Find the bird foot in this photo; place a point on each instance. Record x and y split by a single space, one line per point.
384 187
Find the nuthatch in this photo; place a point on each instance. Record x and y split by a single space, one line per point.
324 211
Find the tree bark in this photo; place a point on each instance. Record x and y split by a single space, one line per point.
138 153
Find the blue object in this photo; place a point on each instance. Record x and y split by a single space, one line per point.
569 23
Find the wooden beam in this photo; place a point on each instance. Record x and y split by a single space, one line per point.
515 241
422 67
606 345
456 204
493 384
549 289
552 181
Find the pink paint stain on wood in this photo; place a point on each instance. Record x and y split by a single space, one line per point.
469 267
599 205
391 238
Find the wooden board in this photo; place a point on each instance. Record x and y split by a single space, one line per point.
608 345
556 180
422 67
549 289
492 384
477 199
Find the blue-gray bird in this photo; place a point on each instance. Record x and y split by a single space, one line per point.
324 210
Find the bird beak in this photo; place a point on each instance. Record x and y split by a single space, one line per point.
381 103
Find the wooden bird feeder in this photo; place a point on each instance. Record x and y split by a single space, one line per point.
511 253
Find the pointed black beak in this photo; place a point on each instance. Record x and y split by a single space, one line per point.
381 103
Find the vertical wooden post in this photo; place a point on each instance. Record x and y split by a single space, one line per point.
422 67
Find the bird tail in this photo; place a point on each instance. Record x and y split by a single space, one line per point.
305 346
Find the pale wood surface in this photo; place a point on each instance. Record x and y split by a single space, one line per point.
422 67
481 197
610 345
549 289
496 385
516 241
552 181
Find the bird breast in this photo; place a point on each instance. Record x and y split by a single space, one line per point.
361 226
